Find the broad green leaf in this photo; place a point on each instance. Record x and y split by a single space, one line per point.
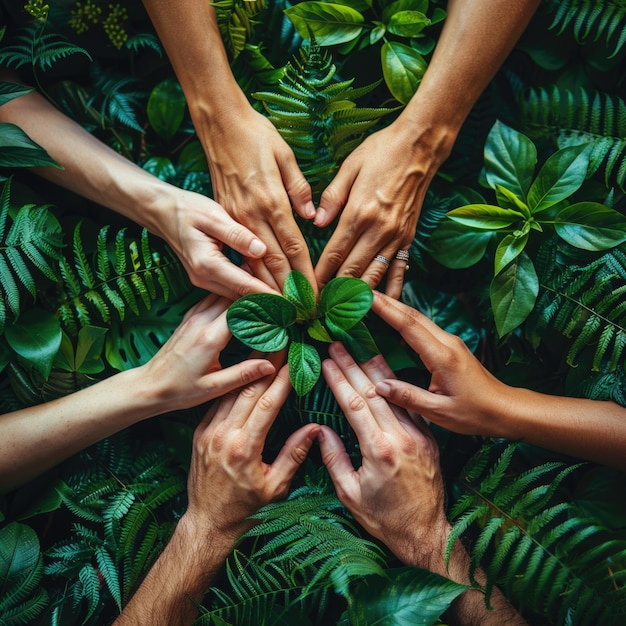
561 175
345 301
513 293
407 23
510 159
484 216
403 69
317 331
357 340
298 290
390 10
509 248
407 596
161 167
89 349
17 149
305 366
192 158
19 551
260 321
591 226
508 200
455 246
10 91
330 23
377 33
36 338
357 5
166 108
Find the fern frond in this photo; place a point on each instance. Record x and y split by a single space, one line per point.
572 118
591 20
236 21
542 554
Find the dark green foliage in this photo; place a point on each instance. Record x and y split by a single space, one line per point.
121 275
586 303
591 20
316 114
582 117
31 243
536 547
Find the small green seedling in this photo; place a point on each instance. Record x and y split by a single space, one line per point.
269 323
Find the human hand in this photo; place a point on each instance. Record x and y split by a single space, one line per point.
380 186
228 480
197 228
397 493
186 370
257 180
462 396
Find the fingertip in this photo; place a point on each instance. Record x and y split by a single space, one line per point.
321 217
257 249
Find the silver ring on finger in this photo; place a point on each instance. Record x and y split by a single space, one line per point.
404 256
382 259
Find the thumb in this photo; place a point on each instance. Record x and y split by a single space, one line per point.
290 458
222 381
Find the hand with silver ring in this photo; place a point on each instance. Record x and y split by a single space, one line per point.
382 259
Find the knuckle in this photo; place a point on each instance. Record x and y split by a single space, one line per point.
298 454
266 402
352 271
293 246
274 261
356 402
298 188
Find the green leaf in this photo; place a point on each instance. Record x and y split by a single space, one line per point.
19 551
305 366
484 216
509 249
407 23
298 290
260 320
330 23
510 159
166 108
17 149
561 175
192 158
455 246
508 200
317 331
407 596
390 10
344 301
513 293
36 338
357 340
403 69
10 91
161 167
591 226
89 349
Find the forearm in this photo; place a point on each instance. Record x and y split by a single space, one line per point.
179 578
476 38
90 167
190 35
588 429
35 439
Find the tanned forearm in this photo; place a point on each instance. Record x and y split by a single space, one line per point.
588 429
476 38
178 580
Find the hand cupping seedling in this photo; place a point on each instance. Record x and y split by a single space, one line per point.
269 323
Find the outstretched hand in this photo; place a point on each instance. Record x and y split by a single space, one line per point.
462 396
257 180
397 493
380 187
228 480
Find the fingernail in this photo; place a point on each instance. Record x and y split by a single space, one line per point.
320 217
383 389
320 435
309 209
257 248
267 368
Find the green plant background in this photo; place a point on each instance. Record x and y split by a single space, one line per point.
103 295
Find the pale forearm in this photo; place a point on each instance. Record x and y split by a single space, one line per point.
178 580
35 439
589 429
477 37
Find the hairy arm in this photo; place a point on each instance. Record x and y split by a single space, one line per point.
381 186
465 398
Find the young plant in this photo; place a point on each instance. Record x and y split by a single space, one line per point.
526 203
269 323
